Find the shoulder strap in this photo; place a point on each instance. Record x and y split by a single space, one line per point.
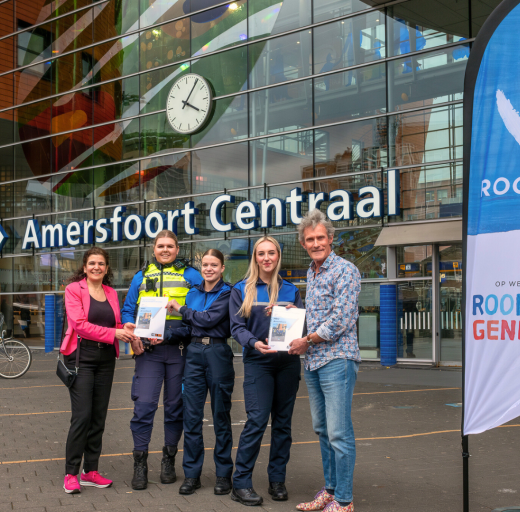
63 333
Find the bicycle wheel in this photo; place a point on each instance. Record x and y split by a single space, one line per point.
16 359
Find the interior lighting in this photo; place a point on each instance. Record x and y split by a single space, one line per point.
156 32
233 6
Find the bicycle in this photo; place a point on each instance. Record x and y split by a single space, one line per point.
15 356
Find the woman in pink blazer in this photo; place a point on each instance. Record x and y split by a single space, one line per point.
94 320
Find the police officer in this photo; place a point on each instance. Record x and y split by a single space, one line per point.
165 277
271 379
209 366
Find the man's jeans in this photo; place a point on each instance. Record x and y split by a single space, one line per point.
331 388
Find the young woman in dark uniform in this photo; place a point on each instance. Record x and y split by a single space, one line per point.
271 379
209 367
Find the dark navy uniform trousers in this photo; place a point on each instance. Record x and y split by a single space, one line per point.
208 368
163 364
271 383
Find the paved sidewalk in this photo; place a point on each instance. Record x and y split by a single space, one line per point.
408 448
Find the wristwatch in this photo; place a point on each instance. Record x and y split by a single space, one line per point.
309 340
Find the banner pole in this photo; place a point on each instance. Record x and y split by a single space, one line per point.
465 474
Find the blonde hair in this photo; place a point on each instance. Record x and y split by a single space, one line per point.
251 278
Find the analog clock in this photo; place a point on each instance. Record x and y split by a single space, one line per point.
189 103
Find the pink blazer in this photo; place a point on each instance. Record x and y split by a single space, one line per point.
77 303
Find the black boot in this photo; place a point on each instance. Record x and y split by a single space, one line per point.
168 475
189 486
223 485
278 491
246 497
140 479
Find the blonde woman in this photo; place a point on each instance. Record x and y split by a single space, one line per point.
271 378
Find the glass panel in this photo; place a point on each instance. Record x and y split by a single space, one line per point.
327 9
72 191
414 261
164 207
7 164
426 79
6 301
68 253
107 213
118 141
7 201
426 136
115 59
165 44
166 176
220 167
157 135
32 121
228 122
33 45
72 150
414 320
348 42
219 28
430 193
155 86
32 196
116 184
7 87
282 158
33 158
124 263
419 24
157 11
28 314
79 24
6 126
32 83
8 50
286 107
15 230
277 60
351 94
7 16
71 71
450 269
114 18
368 323
71 112
351 147
32 273
269 17
115 100
479 13
226 72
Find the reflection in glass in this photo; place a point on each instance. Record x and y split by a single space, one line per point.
368 322
414 261
117 141
116 184
114 18
7 16
450 312
6 201
80 25
430 192
124 263
414 320
164 207
277 60
71 192
72 150
270 17
33 273
6 164
33 45
351 147
219 28
15 229
157 11
419 24
350 94
32 158
157 135
426 136
348 42
27 317
327 9
219 168
66 252
426 79
32 196
286 107
114 59
166 176
282 158
165 44
107 213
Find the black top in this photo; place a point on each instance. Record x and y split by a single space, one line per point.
101 313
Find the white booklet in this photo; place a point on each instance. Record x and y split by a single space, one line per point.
151 317
286 326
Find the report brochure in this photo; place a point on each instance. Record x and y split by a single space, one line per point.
286 326
151 317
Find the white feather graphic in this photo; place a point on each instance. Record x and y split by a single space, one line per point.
509 115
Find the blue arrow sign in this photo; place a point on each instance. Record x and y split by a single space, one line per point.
3 237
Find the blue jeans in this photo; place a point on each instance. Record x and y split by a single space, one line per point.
331 388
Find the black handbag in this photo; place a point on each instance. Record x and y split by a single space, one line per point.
67 376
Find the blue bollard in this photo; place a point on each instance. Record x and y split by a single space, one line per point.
388 324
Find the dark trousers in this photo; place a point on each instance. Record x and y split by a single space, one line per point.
89 397
208 367
164 364
270 387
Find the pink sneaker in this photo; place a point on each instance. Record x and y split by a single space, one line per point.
320 501
94 479
71 484
334 506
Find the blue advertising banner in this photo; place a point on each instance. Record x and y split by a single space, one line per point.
492 224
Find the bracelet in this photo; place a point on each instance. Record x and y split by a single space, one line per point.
309 340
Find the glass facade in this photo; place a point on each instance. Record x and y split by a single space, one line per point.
313 94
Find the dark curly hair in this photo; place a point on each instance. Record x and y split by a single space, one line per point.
80 275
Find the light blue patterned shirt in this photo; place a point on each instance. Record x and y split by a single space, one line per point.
332 310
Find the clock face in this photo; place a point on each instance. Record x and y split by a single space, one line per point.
189 103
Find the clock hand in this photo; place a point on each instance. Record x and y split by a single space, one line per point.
190 93
189 105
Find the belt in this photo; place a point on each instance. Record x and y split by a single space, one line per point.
90 343
209 341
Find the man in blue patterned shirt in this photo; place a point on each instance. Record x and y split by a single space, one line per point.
331 359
